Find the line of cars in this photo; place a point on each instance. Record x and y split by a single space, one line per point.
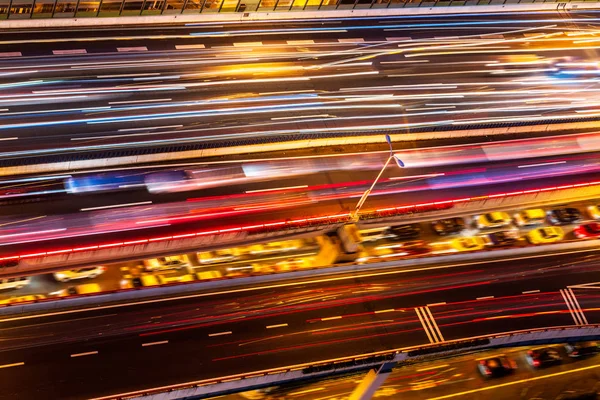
540 357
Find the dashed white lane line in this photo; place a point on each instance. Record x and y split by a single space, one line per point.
277 326
9 138
189 46
485 297
70 51
300 42
398 39
11 54
531 291
12 365
385 311
89 353
219 334
154 343
357 40
331 318
247 44
443 303
139 203
127 49
276 189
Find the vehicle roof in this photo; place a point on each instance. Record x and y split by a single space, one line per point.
535 213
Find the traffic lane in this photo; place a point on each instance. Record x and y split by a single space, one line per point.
303 308
587 297
81 230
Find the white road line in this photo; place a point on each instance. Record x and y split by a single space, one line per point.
189 46
89 353
443 303
138 101
9 138
274 189
151 128
276 326
398 39
385 311
247 44
357 40
128 49
12 365
71 51
571 310
435 325
542 164
577 306
531 291
331 318
219 334
425 328
140 203
485 298
300 42
154 343
11 54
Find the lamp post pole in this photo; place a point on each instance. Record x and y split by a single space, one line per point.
366 194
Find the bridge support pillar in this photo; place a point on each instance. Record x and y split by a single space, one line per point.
371 382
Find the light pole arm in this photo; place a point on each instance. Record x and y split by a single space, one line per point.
363 198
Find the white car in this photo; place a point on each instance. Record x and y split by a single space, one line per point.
80 273
13 283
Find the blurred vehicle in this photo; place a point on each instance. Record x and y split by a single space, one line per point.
87 288
473 243
448 226
494 219
164 263
594 212
23 299
496 366
564 216
154 280
374 234
349 238
581 349
405 232
410 248
104 182
14 283
216 257
534 216
587 231
202 275
80 273
543 357
501 238
548 234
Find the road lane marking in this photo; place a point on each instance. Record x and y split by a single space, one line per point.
306 391
574 314
531 291
435 325
535 378
274 189
431 340
189 46
9 138
12 365
276 326
154 343
485 298
11 54
129 49
434 367
385 311
542 164
443 303
136 101
139 203
71 51
300 42
331 318
576 305
89 353
357 40
219 334
247 44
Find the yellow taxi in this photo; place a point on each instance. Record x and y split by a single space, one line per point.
494 219
530 217
23 299
549 234
472 243
594 212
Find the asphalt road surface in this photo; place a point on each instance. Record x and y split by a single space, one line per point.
109 350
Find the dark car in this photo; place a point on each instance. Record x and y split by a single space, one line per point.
564 216
543 357
448 226
405 232
496 366
502 238
581 349
587 231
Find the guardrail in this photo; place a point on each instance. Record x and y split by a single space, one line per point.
344 365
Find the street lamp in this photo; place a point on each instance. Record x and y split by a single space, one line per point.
363 198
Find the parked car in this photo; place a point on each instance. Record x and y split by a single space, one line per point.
548 234
473 243
501 238
14 283
496 366
564 216
87 288
405 232
23 299
581 349
587 231
448 226
534 216
80 273
494 219
164 263
543 357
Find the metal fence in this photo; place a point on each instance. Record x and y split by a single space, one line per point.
25 9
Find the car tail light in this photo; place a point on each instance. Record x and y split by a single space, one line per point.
574 352
536 363
530 352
